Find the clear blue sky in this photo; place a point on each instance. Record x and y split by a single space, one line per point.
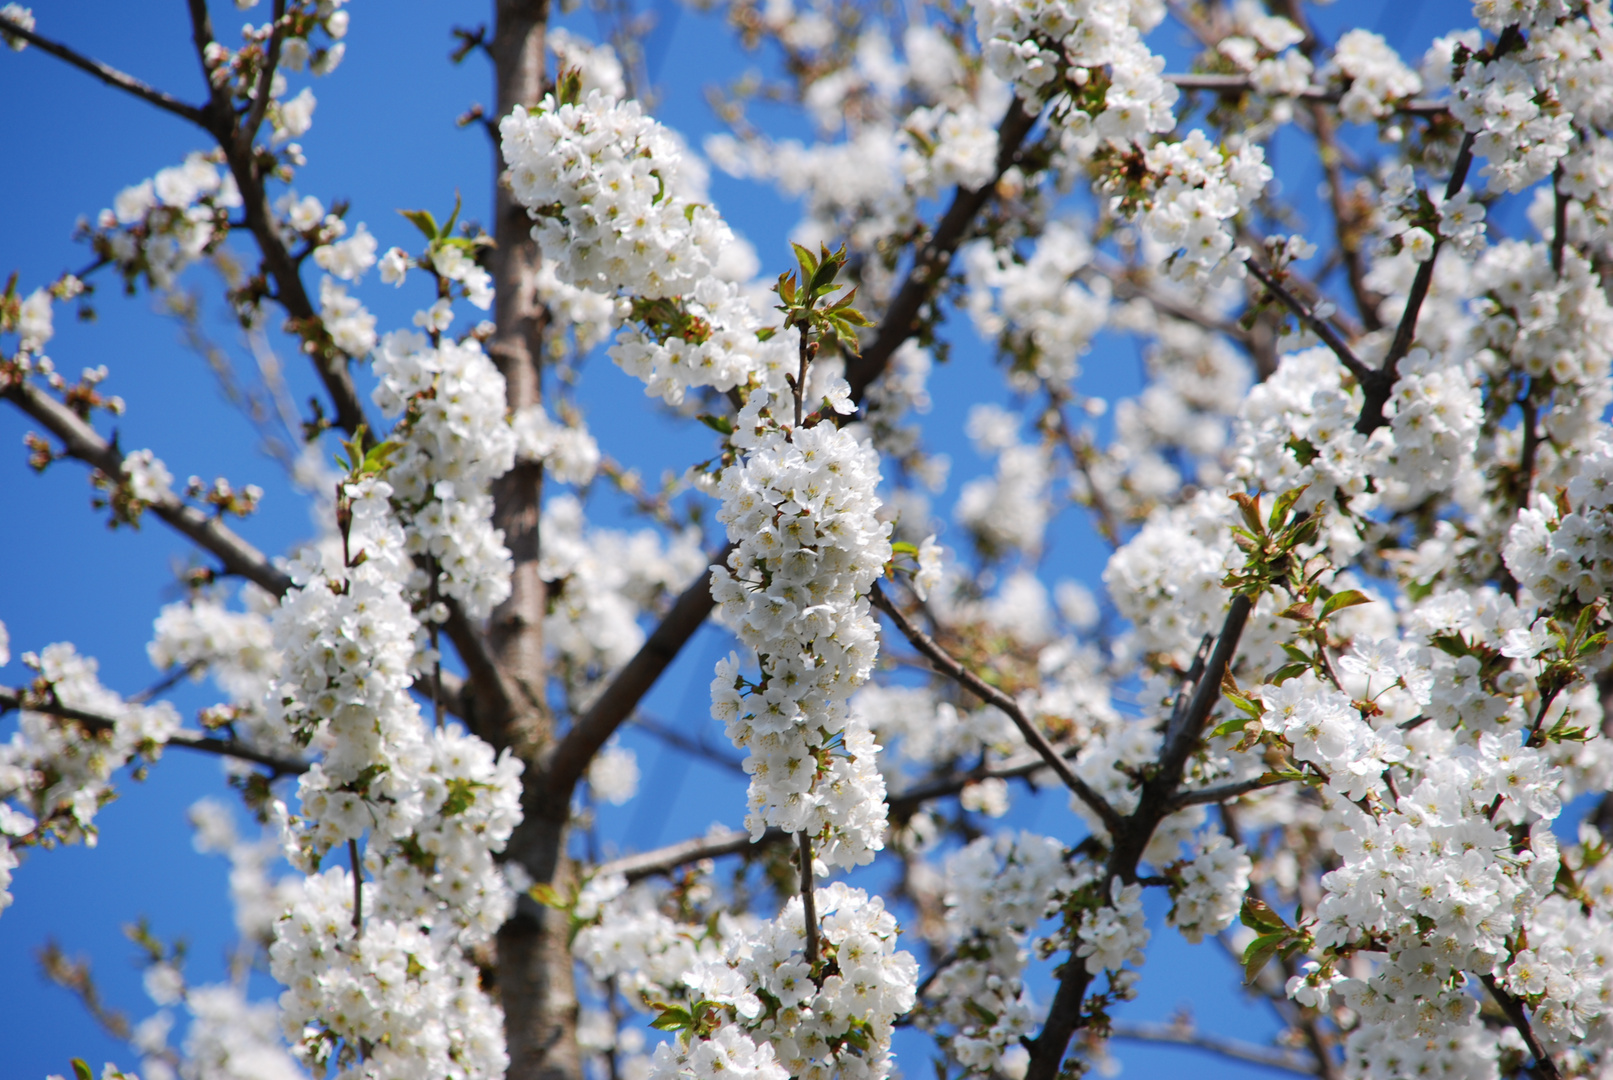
383 137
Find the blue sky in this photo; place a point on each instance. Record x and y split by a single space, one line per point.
384 137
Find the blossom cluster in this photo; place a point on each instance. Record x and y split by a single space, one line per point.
1212 886
999 892
55 773
1563 553
601 179
376 976
1198 190
604 185
1040 314
800 511
823 1025
1376 76
603 581
233 648
454 441
158 227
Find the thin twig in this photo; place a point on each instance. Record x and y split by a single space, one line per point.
358 887
1519 1019
1225 792
1187 1035
1307 315
1233 85
1559 219
900 807
1127 287
809 903
16 699
947 665
932 261
693 747
1079 447
107 74
84 443
167 682
1378 388
260 101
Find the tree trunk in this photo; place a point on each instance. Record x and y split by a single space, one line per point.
534 958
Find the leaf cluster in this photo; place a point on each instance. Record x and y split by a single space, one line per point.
806 303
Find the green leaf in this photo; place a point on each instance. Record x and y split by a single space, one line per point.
828 267
671 1019
1249 506
1286 672
423 221
1451 645
448 229
81 1071
379 456
1256 914
1242 703
980 1011
1304 452
1346 599
1285 503
461 795
808 261
1237 723
902 547
786 287
720 424
547 895
1259 954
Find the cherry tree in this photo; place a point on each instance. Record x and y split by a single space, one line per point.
1341 707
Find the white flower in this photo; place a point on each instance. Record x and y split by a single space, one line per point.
929 568
21 16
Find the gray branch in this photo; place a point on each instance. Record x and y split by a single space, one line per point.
86 444
107 74
16 699
1186 1035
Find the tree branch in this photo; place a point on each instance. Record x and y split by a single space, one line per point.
1131 836
260 102
1519 1019
1233 85
17 699
713 845
1181 1034
1128 288
616 703
107 74
1223 792
83 442
946 665
1378 389
1307 315
900 807
932 261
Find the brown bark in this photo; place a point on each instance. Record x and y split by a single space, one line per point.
534 957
